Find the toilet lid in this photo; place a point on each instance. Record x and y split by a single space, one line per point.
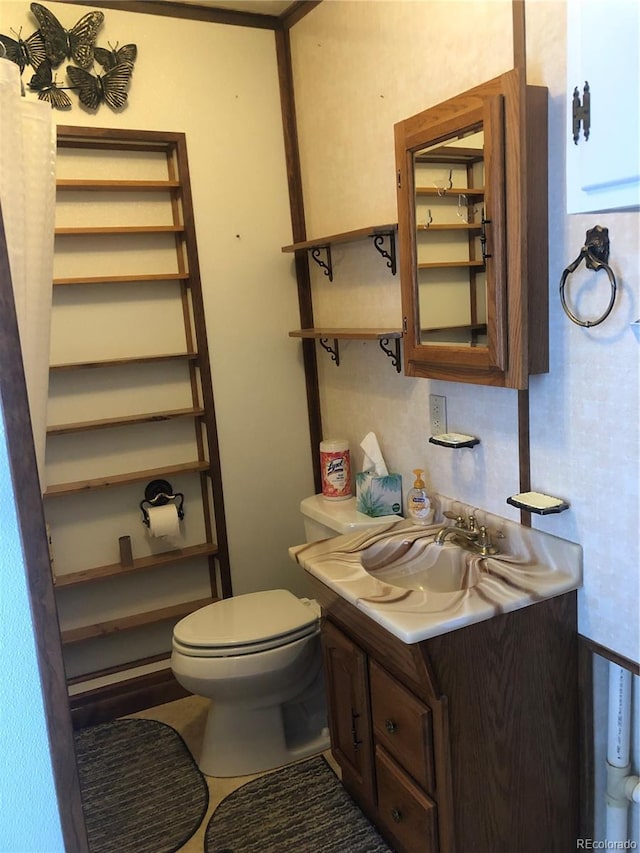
254 619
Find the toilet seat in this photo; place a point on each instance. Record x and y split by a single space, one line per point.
246 624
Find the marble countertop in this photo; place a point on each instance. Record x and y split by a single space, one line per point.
532 566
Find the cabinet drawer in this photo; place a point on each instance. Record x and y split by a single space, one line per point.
406 812
402 724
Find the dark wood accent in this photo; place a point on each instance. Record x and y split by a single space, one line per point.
407 814
298 227
503 695
297 11
511 685
103 704
587 741
349 712
610 655
130 623
30 516
524 451
187 12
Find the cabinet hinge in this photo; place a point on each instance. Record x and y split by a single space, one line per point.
399 180
404 325
581 112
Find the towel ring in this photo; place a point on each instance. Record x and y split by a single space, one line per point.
595 253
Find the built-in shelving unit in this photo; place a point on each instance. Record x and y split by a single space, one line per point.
163 581
378 234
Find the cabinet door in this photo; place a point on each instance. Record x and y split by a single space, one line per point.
603 171
349 715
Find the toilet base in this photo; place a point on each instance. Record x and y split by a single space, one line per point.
239 741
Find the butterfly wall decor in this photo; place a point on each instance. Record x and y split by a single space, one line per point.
46 48
43 83
24 52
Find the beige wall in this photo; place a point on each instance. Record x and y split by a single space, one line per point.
218 84
358 68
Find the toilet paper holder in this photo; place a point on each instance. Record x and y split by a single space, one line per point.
159 493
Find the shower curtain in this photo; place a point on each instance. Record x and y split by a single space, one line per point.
27 200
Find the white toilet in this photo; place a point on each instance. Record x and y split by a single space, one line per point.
257 657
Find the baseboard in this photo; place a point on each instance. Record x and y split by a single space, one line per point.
111 701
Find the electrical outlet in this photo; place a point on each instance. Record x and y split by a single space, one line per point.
438 412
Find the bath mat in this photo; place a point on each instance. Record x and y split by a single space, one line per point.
142 792
299 809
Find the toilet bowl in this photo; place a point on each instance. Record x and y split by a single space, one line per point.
257 657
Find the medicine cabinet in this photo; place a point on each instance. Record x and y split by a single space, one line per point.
472 232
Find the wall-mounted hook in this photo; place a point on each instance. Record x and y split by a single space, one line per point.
595 253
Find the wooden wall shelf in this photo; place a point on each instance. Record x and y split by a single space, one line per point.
127 420
147 202
155 561
62 489
123 362
377 233
122 279
128 623
383 336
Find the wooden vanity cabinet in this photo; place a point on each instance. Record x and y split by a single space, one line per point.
464 742
472 234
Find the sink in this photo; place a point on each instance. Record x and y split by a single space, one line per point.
422 565
417 589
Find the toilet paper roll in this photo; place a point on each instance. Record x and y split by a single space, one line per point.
164 522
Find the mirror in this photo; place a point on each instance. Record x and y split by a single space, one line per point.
451 240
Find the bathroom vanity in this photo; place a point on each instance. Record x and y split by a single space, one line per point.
455 727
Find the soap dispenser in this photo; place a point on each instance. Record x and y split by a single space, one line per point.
418 503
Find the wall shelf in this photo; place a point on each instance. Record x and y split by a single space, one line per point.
450 191
121 279
167 558
126 420
123 362
117 186
128 623
377 233
61 489
78 231
383 336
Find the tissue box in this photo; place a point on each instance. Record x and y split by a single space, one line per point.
377 496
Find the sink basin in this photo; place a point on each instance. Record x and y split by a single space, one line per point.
416 589
422 565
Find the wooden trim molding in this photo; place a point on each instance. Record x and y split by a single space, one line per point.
26 485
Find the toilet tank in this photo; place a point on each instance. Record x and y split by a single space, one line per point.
326 518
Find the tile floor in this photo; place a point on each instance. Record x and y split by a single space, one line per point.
188 717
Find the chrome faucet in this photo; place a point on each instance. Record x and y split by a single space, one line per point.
469 536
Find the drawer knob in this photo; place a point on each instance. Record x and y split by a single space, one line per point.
396 814
391 726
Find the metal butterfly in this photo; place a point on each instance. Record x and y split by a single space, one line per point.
77 43
110 58
25 52
111 87
43 83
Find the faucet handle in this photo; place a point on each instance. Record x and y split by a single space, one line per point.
460 521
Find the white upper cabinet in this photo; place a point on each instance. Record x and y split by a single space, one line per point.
603 171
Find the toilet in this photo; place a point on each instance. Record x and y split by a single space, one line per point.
257 657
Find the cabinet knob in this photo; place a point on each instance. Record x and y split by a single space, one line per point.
391 726
396 814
